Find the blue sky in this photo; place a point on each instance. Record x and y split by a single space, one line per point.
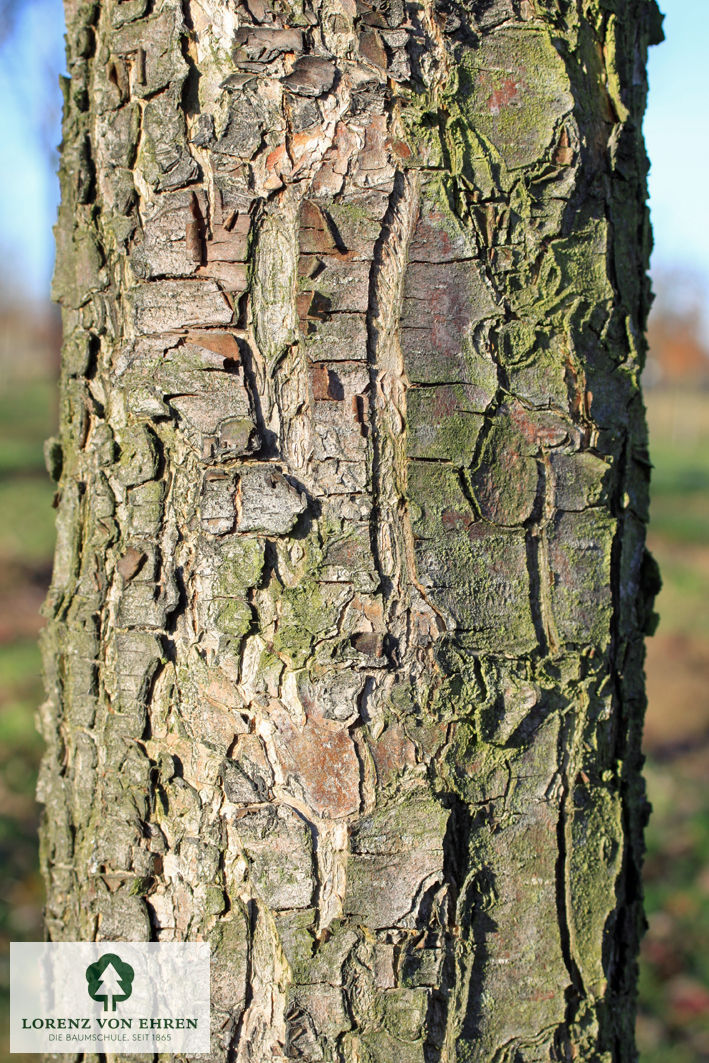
677 137
30 63
676 128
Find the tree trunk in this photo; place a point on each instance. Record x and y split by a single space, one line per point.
344 654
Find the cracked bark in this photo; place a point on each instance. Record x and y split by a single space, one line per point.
344 646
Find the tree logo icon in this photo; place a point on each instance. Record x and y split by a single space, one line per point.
110 980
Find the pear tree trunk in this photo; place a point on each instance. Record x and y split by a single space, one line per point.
344 652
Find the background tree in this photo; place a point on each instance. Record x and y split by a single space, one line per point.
345 652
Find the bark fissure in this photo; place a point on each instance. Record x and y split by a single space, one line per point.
387 382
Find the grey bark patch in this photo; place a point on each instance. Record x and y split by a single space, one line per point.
139 457
206 421
394 853
334 695
311 76
580 547
381 1047
247 776
137 655
247 122
121 916
239 788
438 237
268 502
236 436
344 285
163 306
165 160
279 847
506 480
263 44
218 505
229 963
479 576
163 62
445 298
274 281
442 423
296 936
579 480
517 88
165 248
131 562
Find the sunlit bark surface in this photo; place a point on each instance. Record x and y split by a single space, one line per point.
344 654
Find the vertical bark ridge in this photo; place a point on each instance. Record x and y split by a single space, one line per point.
393 539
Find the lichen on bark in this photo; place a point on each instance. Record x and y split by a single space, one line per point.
345 635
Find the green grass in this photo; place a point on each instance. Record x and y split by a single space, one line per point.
26 493
19 664
681 520
683 602
27 409
676 948
678 470
21 692
27 527
679 506
20 747
679 532
20 455
670 1054
27 417
675 957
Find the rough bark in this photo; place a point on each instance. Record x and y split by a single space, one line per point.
344 653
